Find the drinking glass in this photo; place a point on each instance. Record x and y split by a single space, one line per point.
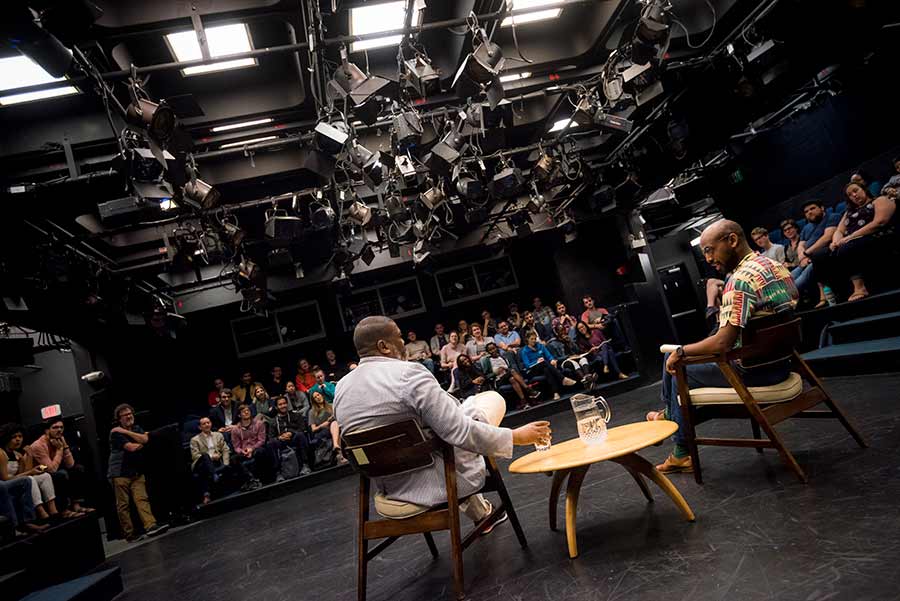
591 414
543 444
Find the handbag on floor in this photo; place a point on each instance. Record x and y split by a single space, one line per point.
289 466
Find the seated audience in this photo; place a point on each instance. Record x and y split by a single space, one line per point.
15 465
287 429
572 363
542 315
507 340
248 439
298 399
515 318
324 431
562 318
757 287
769 249
334 370
437 342
305 378
262 406
370 398
894 181
277 381
462 328
504 373
17 507
791 250
468 378
815 237
859 240
243 392
209 456
418 351
865 181
561 342
595 317
475 348
225 416
450 351
52 450
488 323
213 397
530 326
539 362
323 386
598 349
126 471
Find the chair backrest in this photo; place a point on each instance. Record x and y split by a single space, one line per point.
768 339
390 449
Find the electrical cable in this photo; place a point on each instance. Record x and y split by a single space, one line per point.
687 35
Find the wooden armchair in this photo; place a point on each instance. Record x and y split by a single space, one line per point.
399 448
766 406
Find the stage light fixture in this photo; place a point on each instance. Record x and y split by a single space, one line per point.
422 76
651 38
484 64
200 195
407 129
369 164
447 153
351 84
612 123
520 222
329 139
281 226
468 186
507 182
433 197
321 215
407 168
156 118
396 208
359 213
545 167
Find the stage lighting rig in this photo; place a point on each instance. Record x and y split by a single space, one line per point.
433 197
200 195
407 129
321 215
421 76
467 184
349 84
545 167
651 37
483 66
369 164
359 213
508 181
447 153
155 118
330 139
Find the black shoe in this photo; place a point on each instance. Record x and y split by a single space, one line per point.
134 538
157 529
499 521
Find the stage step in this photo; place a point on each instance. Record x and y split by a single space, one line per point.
99 586
866 356
871 327
815 320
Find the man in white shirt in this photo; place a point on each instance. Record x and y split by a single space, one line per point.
761 239
476 347
386 389
209 454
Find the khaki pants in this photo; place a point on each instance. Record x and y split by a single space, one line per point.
132 487
488 407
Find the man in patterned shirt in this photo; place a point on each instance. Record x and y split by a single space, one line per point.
757 287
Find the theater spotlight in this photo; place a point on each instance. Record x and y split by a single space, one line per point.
484 63
157 119
351 84
468 186
545 167
321 215
329 139
446 153
359 213
369 164
407 129
421 75
433 197
200 195
507 182
651 38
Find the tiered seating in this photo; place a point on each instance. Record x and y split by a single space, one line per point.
866 344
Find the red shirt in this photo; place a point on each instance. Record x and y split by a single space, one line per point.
213 398
305 381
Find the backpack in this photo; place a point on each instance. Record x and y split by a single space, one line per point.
289 466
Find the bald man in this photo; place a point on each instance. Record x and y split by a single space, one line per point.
385 388
758 286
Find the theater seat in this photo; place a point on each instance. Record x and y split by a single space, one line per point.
396 510
776 393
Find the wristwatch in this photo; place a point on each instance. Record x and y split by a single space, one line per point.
679 352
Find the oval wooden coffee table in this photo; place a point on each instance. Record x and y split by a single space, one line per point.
573 458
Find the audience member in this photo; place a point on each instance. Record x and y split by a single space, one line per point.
815 238
462 328
542 315
792 248
385 389
758 286
475 348
503 373
262 406
287 430
323 386
560 343
324 431
539 362
515 318
438 341
16 506
769 249
248 439
298 399
418 351
572 362
17 465
334 370
450 351
209 455
243 392
467 377
858 241
865 181
894 181
277 382
305 378
213 397
126 472
488 323
52 450
529 326
225 416
562 318
599 351
595 317
507 340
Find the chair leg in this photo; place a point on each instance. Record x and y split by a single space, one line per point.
431 546
505 500
687 414
455 534
807 374
756 433
362 544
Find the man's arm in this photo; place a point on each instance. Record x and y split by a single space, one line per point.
196 449
516 342
138 437
822 242
259 435
237 440
779 253
222 448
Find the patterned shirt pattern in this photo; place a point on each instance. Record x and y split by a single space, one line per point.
759 286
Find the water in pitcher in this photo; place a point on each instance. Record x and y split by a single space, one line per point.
591 414
592 429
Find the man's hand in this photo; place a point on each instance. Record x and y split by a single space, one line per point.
553 362
285 436
215 456
502 346
540 360
56 442
804 261
671 362
531 433
248 452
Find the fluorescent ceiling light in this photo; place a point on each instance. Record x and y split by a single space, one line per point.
223 40
247 142
39 95
541 15
20 71
515 76
561 124
386 16
241 124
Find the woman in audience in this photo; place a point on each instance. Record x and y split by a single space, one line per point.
17 465
451 351
865 180
539 362
858 241
468 378
296 398
504 373
792 235
323 429
599 350
262 403
573 364
462 329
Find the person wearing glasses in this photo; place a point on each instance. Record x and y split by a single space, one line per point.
758 286
126 472
52 451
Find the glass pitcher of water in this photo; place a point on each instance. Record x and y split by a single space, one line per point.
591 414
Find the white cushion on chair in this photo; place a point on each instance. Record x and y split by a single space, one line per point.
396 510
776 393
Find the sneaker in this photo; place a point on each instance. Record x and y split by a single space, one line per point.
555 396
569 382
134 538
157 529
674 465
305 471
279 478
503 517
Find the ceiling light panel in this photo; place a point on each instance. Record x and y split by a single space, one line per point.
386 16
38 95
21 71
223 40
247 142
541 15
515 76
242 124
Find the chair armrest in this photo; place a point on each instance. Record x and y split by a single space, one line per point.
698 359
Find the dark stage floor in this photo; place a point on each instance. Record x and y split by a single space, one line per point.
759 533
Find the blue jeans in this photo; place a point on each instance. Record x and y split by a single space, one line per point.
428 363
709 374
803 276
606 356
15 501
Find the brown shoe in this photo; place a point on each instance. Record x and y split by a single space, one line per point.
673 465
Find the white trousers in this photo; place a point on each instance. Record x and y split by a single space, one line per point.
42 490
488 407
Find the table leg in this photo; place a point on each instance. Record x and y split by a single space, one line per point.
559 476
573 489
635 462
640 482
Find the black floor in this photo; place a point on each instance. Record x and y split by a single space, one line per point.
759 533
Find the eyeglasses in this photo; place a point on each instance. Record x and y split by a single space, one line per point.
707 250
121 415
